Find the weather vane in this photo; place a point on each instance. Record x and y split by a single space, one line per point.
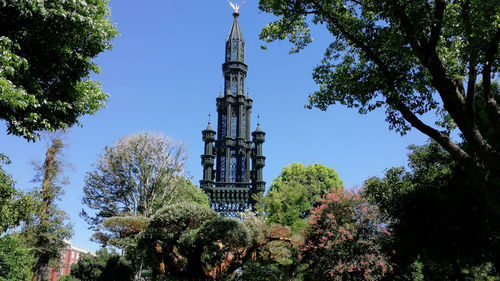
236 7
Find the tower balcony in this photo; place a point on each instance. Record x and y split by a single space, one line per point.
259 186
260 161
208 136
207 159
206 184
234 65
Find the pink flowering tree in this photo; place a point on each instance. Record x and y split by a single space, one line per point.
342 241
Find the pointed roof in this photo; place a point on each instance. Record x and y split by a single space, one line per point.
235 32
209 127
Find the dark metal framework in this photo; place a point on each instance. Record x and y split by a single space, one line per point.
232 183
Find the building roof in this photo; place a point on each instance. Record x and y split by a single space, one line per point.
235 33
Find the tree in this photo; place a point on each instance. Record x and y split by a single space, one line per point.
192 242
132 180
102 267
293 193
434 218
14 205
46 52
67 277
342 241
410 58
138 175
45 231
15 259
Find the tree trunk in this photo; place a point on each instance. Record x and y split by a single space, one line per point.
36 275
138 273
457 272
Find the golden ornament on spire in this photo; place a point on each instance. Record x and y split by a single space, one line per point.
236 7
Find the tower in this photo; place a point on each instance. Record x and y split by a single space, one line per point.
238 159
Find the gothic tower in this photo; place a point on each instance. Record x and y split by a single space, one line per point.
238 159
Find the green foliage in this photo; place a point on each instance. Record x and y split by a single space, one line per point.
294 192
46 52
485 126
119 231
370 35
189 192
192 242
15 259
105 266
67 277
131 181
14 205
412 59
435 217
256 271
342 241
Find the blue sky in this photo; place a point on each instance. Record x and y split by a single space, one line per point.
164 74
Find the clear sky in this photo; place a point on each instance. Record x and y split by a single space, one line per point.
164 74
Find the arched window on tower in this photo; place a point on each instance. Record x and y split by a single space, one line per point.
234 50
243 125
222 173
227 81
242 51
223 128
234 84
243 163
228 51
233 166
234 126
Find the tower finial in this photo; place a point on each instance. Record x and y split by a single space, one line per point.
258 119
236 7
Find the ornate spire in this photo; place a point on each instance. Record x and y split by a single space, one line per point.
235 32
233 162
235 45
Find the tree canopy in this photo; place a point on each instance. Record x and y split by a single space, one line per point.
293 193
342 240
131 180
46 52
14 205
105 266
15 259
434 217
192 242
410 58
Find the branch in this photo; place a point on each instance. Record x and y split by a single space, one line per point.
451 92
471 90
360 43
442 138
436 27
492 108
